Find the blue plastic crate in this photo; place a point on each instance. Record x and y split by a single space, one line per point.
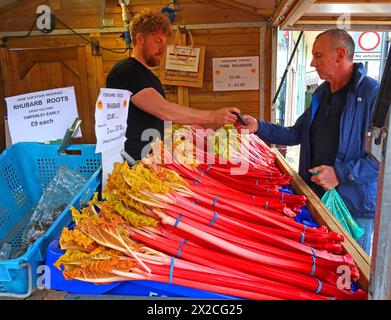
25 171
138 288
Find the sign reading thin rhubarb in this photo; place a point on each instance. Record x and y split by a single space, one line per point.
235 73
111 113
41 116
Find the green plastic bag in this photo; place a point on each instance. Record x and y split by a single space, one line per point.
337 207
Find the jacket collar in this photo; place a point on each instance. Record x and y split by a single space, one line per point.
359 76
360 73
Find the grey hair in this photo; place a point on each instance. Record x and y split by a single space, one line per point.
339 38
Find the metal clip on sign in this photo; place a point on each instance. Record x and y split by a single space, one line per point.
128 158
69 134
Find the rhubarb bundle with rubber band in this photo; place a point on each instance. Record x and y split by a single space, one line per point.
201 226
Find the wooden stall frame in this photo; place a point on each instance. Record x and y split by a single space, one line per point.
324 217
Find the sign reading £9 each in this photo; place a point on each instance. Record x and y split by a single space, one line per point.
41 116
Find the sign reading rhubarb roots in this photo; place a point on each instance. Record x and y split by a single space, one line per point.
41 116
183 66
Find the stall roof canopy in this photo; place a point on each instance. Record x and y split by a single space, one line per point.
291 14
321 14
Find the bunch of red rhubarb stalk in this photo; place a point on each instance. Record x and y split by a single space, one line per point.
199 225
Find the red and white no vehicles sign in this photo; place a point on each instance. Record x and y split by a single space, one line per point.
369 41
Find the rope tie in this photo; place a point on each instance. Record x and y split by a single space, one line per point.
214 219
215 201
177 220
171 269
180 247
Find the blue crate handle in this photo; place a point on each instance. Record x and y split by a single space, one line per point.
30 284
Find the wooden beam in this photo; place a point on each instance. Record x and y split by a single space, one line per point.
352 27
183 92
3 108
279 13
235 4
356 21
206 26
264 12
267 90
354 1
11 5
296 13
55 4
102 11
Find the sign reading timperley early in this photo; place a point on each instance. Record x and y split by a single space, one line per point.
236 73
41 116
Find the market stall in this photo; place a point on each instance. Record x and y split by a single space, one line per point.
285 245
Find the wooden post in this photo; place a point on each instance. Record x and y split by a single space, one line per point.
183 92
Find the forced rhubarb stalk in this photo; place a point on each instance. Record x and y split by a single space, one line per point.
205 256
260 286
275 240
236 250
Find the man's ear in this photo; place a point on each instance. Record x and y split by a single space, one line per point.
341 54
139 38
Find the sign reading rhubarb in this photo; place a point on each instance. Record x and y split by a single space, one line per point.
41 116
111 113
235 73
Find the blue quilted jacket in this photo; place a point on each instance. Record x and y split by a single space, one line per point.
356 171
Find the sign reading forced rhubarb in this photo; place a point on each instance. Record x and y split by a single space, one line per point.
183 66
41 116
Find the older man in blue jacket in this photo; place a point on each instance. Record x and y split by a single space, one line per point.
332 131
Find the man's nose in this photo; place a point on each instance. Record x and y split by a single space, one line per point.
312 63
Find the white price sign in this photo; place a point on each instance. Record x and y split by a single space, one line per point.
111 114
41 116
235 73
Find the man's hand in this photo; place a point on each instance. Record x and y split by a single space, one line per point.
224 115
325 177
252 124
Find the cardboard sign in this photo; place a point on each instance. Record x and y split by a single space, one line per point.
41 116
182 58
183 78
236 73
111 115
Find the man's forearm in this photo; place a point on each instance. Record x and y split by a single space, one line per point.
185 115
